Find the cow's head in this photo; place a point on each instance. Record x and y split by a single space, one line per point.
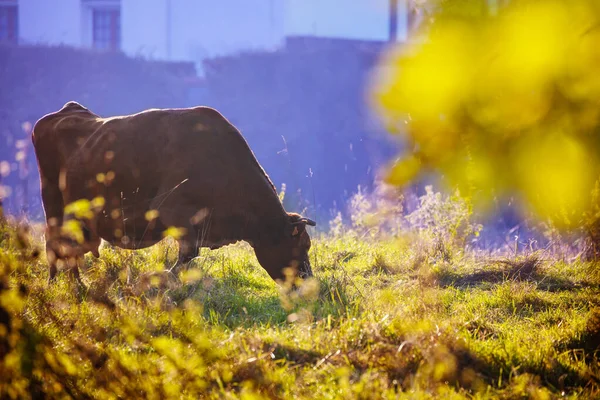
290 251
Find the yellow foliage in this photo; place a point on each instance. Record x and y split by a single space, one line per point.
73 229
98 202
502 104
151 215
191 276
80 209
174 232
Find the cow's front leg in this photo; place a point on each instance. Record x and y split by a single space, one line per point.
188 250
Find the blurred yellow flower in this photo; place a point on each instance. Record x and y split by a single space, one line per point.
498 104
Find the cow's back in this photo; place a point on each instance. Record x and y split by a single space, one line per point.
166 147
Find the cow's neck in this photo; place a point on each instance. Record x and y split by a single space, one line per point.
266 223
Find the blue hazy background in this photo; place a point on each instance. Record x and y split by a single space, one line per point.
291 75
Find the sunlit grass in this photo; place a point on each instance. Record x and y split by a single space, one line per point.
378 324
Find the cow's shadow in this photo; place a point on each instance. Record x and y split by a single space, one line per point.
527 270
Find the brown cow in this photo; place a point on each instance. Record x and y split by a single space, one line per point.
140 174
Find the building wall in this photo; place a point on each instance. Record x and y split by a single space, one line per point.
190 30
50 22
144 29
356 19
203 28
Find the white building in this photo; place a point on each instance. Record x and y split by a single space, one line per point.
190 30
347 19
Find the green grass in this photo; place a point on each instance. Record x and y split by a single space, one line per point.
383 319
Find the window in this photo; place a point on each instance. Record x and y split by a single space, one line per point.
8 23
106 28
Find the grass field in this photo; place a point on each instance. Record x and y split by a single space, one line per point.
385 317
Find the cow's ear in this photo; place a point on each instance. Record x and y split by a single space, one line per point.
304 221
298 224
298 228
309 222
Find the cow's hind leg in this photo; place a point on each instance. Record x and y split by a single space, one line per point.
80 287
52 272
53 268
